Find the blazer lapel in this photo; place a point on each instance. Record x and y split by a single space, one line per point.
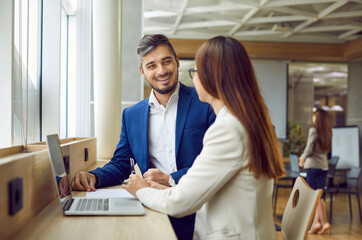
144 136
183 106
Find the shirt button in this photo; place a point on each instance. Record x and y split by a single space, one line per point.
170 150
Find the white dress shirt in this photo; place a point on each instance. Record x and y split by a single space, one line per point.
162 132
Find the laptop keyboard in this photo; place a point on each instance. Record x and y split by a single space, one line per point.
91 204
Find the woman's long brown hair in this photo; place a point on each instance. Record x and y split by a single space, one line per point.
226 73
324 130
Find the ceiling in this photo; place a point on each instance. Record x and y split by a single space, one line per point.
319 21
316 21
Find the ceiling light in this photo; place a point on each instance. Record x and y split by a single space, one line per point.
337 74
315 69
336 108
326 108
318 80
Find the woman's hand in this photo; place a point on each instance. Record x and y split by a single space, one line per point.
156 185
301 162
135 183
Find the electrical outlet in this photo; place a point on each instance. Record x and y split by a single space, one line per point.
86 154
15 195
66 160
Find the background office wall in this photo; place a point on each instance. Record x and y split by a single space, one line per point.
6 48
354 98
132 29
272 77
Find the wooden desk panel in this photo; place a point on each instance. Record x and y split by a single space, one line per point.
51 224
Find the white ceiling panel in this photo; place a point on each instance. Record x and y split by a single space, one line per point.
320 21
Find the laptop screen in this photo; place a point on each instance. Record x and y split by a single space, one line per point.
85 206
58 166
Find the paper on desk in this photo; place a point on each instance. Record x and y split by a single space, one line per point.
107 193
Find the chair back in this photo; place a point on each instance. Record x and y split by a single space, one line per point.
331 170
353 177
299 211
294 167
334 160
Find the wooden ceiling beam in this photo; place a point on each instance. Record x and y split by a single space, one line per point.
319 52
352 50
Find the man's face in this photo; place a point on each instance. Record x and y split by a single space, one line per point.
160 69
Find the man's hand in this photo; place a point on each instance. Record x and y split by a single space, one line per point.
84 181
156 175
135 183
63 186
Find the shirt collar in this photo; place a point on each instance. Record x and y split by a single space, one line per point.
153 102
221 113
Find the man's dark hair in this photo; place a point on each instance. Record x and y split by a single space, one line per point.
150 42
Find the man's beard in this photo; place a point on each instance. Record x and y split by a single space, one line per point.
166 90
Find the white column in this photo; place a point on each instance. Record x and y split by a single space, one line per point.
354 106
6 47
107 75
301 101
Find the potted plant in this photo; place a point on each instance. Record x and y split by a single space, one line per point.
296 140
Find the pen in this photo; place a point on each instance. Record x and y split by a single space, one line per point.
131 160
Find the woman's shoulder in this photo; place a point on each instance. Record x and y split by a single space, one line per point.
231 121
227 124
312 130
226 135
312 133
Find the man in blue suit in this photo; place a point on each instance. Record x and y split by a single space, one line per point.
163 133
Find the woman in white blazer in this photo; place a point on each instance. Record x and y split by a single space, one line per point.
234 174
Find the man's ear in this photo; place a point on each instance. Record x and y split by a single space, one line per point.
141 70
178 62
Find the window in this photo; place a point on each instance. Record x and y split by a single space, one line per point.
76 81
46 63
26 72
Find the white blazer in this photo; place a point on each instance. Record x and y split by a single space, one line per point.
237 205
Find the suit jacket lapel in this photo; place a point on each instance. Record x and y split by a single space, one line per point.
144 135
183 106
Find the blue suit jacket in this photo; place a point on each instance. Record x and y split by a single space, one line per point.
193 119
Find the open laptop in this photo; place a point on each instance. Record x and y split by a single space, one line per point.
83 205
294 167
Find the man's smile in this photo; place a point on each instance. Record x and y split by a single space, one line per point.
164 78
